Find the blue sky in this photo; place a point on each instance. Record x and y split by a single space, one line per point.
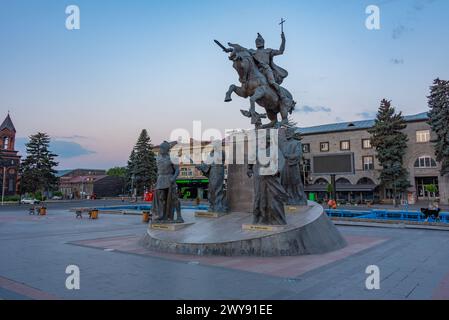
153 64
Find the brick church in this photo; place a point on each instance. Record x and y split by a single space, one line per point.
9 159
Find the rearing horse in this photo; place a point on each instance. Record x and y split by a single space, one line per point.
255 86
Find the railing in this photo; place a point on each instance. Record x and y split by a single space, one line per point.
148 207
379 214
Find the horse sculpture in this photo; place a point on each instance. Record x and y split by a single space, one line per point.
255 85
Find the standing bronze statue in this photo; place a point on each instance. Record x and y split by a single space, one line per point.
291 148
269 194
166 201
261 81
214 169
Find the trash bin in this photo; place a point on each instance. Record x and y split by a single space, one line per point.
93 214
145 216
42 211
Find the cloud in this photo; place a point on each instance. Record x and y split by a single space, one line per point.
74 137
309 109
64 149
397 61
367 115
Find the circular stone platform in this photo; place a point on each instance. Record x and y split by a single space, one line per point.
309 231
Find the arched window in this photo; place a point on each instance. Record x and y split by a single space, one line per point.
343 181
365 181
321 181
5 143
425 162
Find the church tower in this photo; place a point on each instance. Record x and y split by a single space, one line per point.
9 160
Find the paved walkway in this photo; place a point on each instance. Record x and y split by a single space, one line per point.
35 251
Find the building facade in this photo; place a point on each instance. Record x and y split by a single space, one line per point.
9 159
364 184
88 183
192 184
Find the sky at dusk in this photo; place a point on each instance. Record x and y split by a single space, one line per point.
153 64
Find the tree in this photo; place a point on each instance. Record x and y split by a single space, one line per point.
330 190
130 170
142 164
37 169
431 189
439 120
121 173
391 145
117 172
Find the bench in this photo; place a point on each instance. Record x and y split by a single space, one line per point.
431 213
79 214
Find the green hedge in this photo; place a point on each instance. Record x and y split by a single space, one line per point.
12 198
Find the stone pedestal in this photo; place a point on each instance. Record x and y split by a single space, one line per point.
240 188
310 231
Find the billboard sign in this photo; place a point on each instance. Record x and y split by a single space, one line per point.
329 164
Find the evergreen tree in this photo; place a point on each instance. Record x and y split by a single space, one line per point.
391 145
37 169
439 121
141 170
130 171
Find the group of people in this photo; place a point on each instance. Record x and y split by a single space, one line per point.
272 190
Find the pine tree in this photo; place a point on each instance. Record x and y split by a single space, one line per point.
37 169
131 170
391 145
142 164
439 121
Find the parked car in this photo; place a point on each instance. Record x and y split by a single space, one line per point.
29 201
56 198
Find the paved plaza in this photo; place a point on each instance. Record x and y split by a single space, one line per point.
35 251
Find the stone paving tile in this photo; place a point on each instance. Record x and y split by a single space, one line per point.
277 266
35 253
441 292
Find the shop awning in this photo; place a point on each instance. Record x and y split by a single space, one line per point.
342 188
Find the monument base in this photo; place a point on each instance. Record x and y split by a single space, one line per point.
209 214
169 226
309 232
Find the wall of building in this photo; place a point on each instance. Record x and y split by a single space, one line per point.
334 139
10 160
109 186
414 151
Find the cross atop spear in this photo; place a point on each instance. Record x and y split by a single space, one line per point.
282 24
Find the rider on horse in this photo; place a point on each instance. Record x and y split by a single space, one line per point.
264 59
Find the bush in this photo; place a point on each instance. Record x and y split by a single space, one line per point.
38 196
57 194
12 198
